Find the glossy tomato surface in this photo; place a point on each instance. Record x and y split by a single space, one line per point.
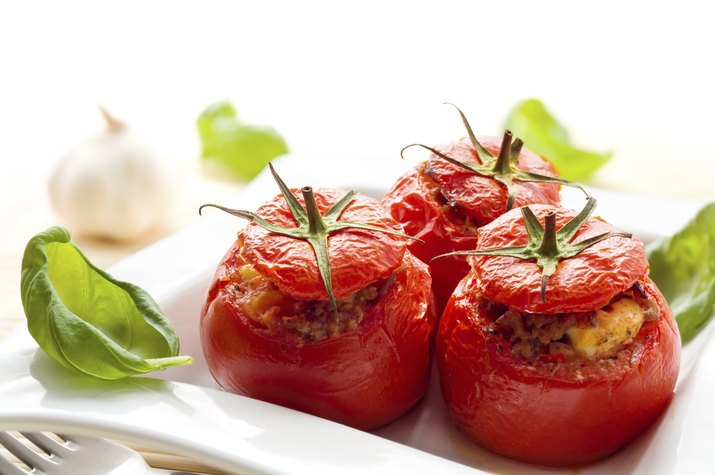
358 257
551 413
483 198
364 377
585 282
443 205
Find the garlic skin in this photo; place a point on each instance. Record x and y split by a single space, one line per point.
114 185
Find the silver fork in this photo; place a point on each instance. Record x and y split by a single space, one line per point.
69 455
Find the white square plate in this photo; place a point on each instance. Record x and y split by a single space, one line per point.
185 412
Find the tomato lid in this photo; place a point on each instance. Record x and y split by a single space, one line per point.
482 197
357 257
584 282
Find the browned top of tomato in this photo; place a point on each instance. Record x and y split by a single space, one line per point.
357 257
483 197
585 282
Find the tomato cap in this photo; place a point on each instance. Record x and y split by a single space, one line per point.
585 282
358 257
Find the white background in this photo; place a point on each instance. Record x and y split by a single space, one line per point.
355 78
368 77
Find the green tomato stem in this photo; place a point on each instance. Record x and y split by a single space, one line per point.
547 246
503 167
313 227
315 219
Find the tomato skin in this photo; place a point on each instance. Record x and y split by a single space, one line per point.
527 412
484 198
364 378
433 199
581 283
358 257
411 201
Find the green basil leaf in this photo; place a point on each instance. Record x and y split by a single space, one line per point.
683 267
239 150
543 134
87 320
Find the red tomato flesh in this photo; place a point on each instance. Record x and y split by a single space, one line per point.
581 283
358 257
444 205
484 198
547 412
364 374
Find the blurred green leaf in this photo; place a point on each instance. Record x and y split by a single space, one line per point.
240 150
543 134
683 267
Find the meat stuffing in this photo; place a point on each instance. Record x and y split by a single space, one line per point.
595 335
309 321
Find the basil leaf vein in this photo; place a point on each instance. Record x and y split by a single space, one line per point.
87 320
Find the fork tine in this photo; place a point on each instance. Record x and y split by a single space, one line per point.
23 452
47 443
9 468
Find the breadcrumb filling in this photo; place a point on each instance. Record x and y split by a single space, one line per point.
304 321
599 334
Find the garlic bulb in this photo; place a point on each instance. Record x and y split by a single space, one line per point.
114 185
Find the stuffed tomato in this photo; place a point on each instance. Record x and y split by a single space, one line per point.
332 317
556 348
461 187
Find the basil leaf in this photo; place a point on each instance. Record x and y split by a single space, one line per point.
239 150
542 134
87 320
683 267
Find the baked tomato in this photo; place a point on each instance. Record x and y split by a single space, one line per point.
463 186
353 346
560 358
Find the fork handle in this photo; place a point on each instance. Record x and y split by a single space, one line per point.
168 461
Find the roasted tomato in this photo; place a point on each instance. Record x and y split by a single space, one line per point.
556 365
463 186
270 329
